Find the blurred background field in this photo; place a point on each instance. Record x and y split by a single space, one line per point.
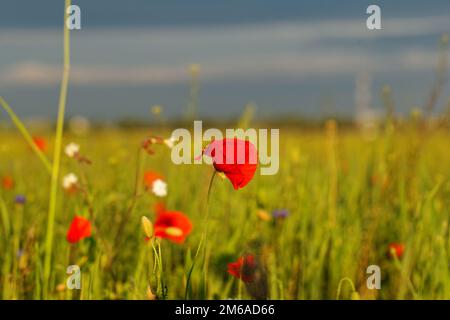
348 193
364 119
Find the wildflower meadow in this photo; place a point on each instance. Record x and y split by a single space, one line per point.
92 211
140 227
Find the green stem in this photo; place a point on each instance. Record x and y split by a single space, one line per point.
136 194
188 280
203 238
338 294
405 277
209 194
23 130
57 156
5 217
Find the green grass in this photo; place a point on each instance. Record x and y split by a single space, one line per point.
395 187
349 195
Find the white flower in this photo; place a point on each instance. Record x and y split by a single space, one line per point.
69 181
72 149
170 142
159 188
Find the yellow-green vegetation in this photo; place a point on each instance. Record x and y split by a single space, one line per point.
345 199
349 195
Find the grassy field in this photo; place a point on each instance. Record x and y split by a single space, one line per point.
348 194
344 198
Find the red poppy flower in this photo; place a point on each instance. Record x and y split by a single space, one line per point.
396 249
7 182
172 225
40 143
244 268
237 159
79 229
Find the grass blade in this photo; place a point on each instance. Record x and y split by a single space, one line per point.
57 156
5 217
23 130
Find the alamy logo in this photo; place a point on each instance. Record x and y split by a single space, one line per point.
374 20
74 280
74 17
374 280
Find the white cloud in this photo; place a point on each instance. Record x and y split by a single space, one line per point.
300 65
161 56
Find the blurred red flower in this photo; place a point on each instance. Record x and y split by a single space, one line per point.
79 229
40 143
236 158
155 182
396 249
172 225
7 182
150 177
244 268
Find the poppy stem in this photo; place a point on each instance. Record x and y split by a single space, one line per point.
210 187
408 281
87 195
133 199
205 232
202 239
188 280
159 270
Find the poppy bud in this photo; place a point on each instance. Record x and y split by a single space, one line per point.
147 225
80 228
7 182
396 250
40 143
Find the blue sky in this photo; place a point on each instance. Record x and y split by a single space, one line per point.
288 57
46 13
